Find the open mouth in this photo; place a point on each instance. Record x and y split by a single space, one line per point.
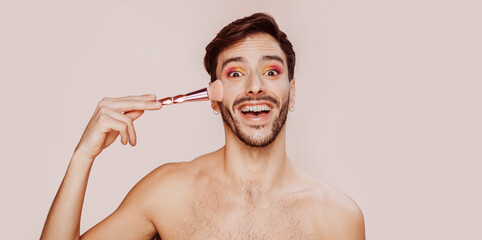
255 110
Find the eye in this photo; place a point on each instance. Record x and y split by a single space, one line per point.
271 72
235 74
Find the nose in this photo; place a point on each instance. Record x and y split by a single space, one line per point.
254 85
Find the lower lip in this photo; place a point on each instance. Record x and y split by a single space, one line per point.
260 119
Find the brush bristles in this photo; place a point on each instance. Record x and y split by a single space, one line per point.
216 91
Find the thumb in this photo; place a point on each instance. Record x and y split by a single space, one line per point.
134 114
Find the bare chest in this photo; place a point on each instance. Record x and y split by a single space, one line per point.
253 216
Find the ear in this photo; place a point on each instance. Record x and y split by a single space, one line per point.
292 93
215 106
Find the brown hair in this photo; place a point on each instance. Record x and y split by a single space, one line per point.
240 29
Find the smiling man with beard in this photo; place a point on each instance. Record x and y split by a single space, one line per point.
248 189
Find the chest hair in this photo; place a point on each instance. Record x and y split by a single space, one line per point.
243 213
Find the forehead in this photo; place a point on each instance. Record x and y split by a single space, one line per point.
253 47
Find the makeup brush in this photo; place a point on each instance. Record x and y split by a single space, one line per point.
214 92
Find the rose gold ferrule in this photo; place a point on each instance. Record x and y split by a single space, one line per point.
199 95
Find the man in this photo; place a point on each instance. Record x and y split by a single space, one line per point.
248 189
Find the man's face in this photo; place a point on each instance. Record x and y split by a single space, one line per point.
257 92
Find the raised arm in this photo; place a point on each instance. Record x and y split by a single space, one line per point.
113 116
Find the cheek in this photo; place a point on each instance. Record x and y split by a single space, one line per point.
231 91
280 89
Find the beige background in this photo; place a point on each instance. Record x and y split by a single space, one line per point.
388 106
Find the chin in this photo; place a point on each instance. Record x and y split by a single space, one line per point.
256 136
252 131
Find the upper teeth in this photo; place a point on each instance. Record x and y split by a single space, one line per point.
257 108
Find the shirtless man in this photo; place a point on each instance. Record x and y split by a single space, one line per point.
248 189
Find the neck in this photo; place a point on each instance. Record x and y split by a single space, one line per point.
263 166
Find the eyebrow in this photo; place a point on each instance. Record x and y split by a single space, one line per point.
241 59
273 57
235 59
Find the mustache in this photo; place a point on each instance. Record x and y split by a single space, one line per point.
266 98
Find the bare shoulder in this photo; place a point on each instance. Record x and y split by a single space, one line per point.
335 214
145 196
168 190
176 178
164 186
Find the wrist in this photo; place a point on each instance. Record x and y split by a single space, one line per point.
80 156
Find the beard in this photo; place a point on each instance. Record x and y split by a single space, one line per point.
235 127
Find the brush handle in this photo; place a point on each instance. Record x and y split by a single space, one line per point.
199 95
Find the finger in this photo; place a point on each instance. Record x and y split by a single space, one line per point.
145 97
129 105
134 114
118 126
126 120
